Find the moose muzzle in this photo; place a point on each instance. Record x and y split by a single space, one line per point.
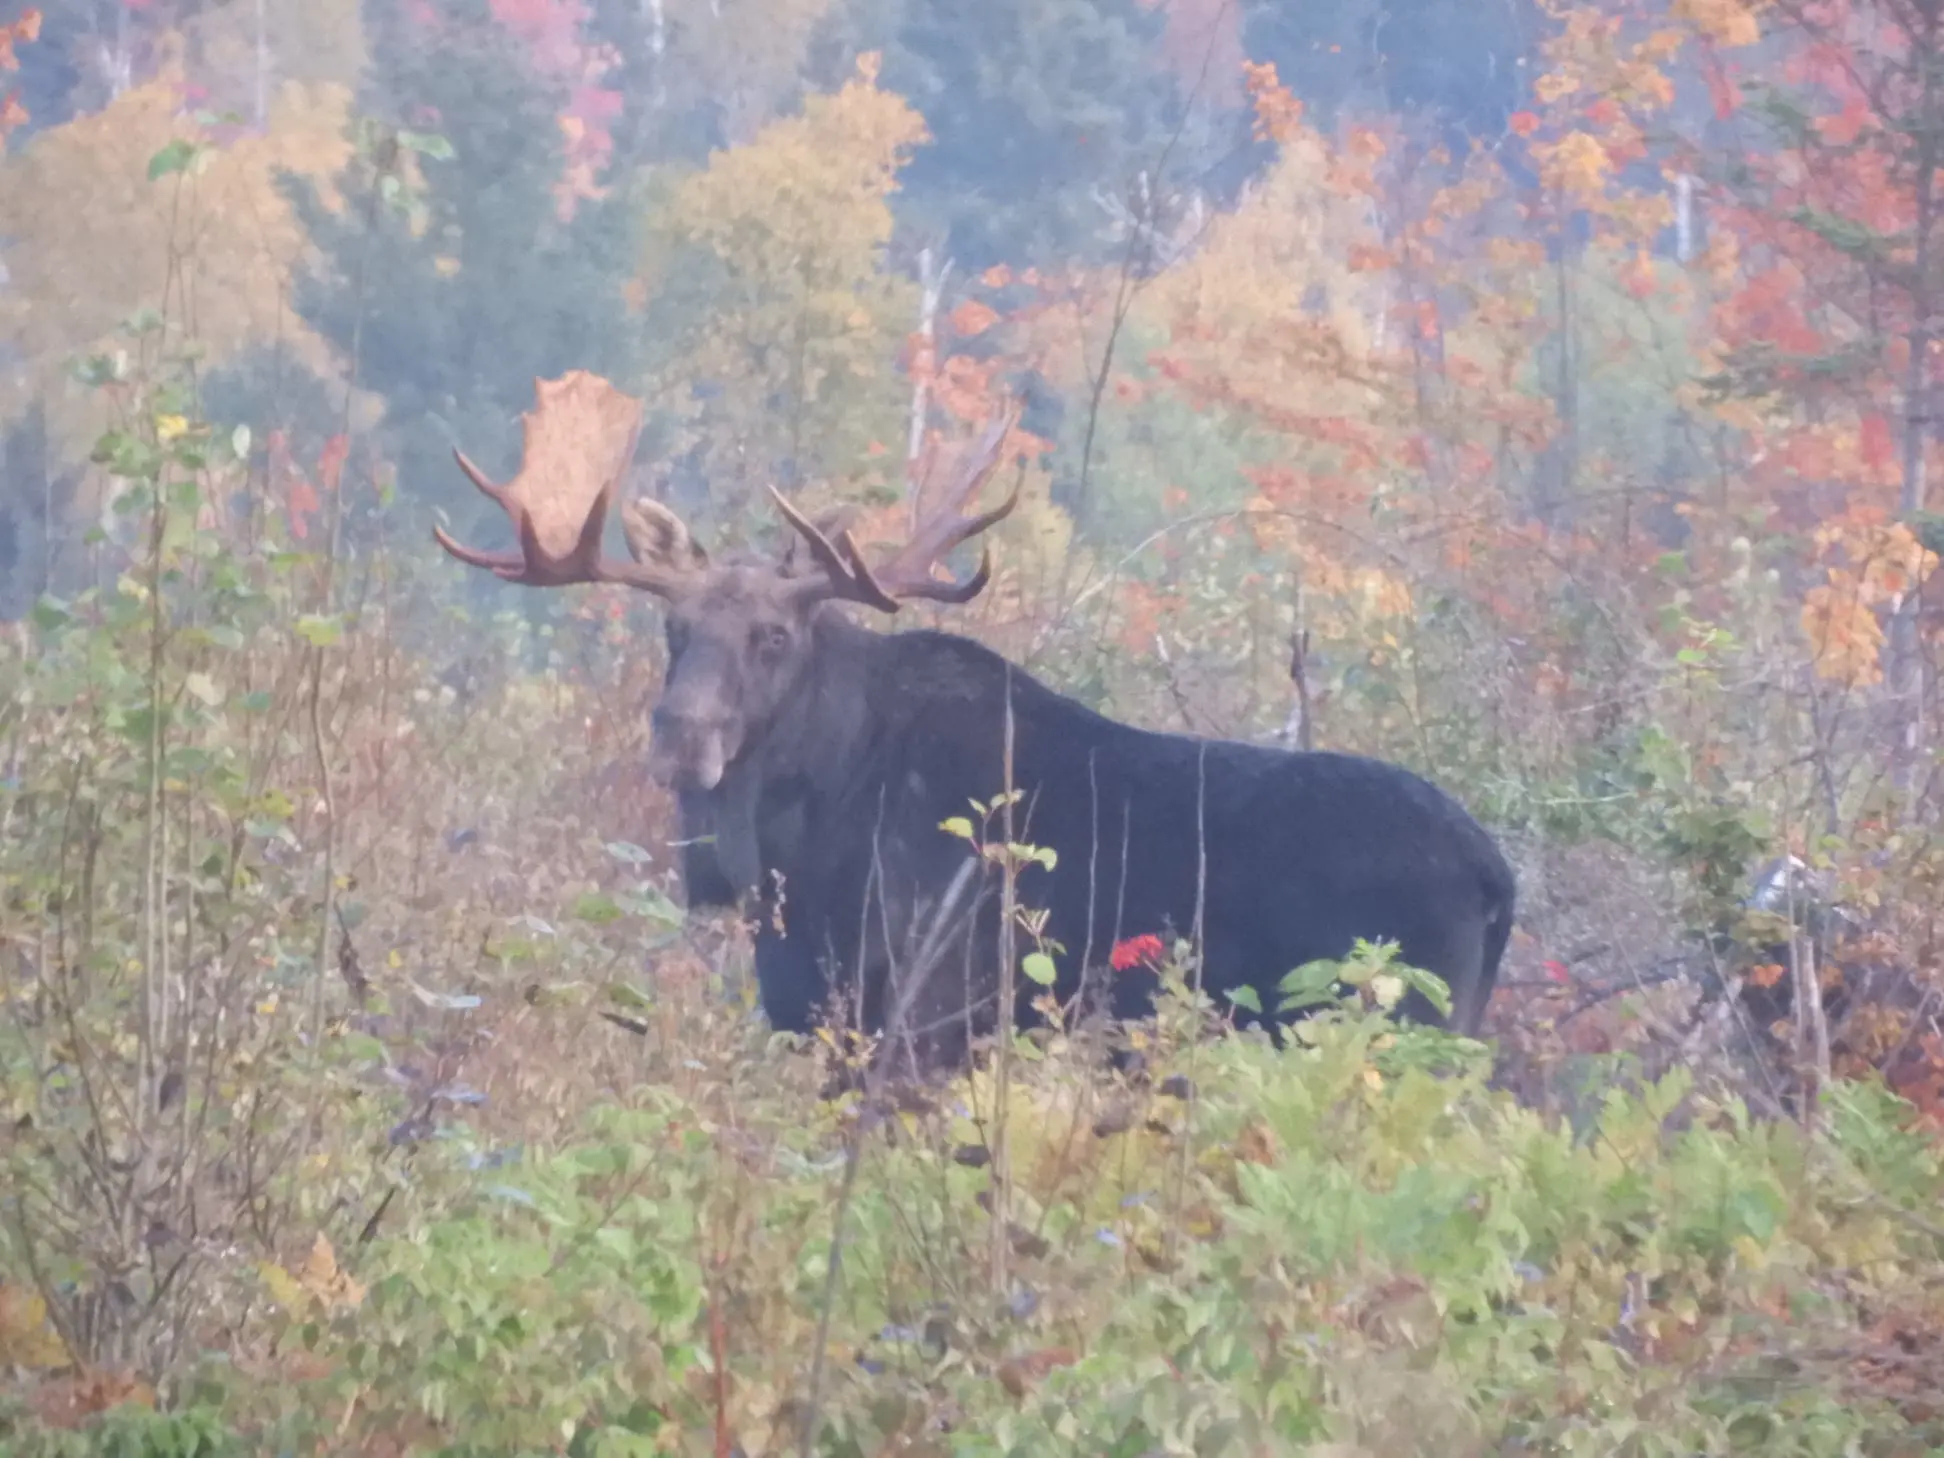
688 751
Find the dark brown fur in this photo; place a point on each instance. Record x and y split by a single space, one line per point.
837 807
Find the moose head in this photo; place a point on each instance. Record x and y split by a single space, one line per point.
738 631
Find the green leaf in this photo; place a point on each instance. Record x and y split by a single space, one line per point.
1039 967
427 144
100 369
202 687
597 908
130 457
176 157
957 825
625 995
1246 997
51 613
321 630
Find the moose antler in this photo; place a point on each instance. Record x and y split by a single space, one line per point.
909 572
578 440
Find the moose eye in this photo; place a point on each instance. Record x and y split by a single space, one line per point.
771 638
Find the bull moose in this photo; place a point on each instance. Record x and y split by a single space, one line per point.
816 762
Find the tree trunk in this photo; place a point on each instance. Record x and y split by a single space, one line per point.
932 284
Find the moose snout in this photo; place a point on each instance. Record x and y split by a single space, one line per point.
688 748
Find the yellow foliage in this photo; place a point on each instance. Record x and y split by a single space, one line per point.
797 219
1555 84
1382 594
92 238
320 1282
808 196
1840 615
1844 635
27 1340
1725 22
1278 300
1576 164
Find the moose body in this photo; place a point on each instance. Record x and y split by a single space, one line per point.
1281 858
815 760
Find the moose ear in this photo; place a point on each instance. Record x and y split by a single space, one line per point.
657 537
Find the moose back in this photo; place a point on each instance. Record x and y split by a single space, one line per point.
816 760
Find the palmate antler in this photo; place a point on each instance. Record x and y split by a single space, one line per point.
908 575
578 440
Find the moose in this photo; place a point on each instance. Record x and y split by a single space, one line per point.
816 763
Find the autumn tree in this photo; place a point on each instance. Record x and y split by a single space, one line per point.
772 317
95 233
449 277
1839 201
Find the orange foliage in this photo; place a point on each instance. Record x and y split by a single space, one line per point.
19 32
972 318
1882 561
1278 114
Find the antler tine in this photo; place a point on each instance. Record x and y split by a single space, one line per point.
908 573
479 478
847 577
579 438
844 574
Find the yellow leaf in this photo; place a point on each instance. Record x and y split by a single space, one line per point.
27 1340
1725 22
1555 84
283 1287
1844 634
1576 164
324 1280
171 427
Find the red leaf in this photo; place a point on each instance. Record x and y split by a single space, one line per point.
1879 448
330 461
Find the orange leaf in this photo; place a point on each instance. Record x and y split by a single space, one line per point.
972 318
1523 123
1368 258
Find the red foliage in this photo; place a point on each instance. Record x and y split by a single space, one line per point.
551 31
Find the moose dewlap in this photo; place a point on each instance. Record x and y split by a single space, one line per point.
815 760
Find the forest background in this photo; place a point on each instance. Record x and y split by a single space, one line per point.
1542 395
